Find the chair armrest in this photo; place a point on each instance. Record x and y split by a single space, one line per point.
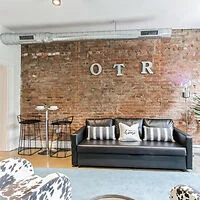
186 140
182 192
53 186
76 139
14 169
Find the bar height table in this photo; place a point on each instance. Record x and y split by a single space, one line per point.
46 109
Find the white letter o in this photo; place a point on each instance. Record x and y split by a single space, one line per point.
98 71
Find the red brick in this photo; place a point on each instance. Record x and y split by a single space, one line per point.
63 78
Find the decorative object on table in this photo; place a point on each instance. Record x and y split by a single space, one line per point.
18 181
111 197
29 134
184 192
61 134
46 108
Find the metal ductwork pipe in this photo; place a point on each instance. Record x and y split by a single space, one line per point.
25 38
29 38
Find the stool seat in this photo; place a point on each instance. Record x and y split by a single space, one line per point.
61 122
55 122
30 121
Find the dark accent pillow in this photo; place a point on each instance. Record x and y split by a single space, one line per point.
101 132
158 134
129 122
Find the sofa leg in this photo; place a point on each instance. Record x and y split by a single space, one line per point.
188 170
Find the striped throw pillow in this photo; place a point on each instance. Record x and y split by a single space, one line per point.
101 132
158 134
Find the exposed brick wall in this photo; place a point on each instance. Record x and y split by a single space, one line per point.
58 74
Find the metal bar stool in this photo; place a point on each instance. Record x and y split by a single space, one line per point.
29 133
61 132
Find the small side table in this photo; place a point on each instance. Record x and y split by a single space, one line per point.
46 109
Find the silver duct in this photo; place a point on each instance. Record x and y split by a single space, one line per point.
29 38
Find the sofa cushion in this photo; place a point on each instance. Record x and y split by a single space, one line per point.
158 134
164 123
129 122
99 122
101 132
131 148
129 133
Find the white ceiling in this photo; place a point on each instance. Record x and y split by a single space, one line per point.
82 15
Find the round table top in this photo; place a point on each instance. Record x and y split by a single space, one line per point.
111 197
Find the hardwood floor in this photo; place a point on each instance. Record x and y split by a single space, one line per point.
40 160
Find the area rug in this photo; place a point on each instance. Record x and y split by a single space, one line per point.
139 185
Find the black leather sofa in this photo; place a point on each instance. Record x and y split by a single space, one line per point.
140 154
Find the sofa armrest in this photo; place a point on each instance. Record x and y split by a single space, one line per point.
79 135
76 139
186 140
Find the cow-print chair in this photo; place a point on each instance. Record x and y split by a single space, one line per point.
184 192
18 182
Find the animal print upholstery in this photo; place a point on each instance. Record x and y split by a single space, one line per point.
14 169
21 189
18 182
53 186
184 192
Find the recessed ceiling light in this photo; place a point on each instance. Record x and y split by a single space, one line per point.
56 2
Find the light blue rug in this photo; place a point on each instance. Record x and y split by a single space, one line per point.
140 185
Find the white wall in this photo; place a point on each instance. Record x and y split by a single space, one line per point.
10 58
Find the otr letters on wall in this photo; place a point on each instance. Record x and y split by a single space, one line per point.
96 68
